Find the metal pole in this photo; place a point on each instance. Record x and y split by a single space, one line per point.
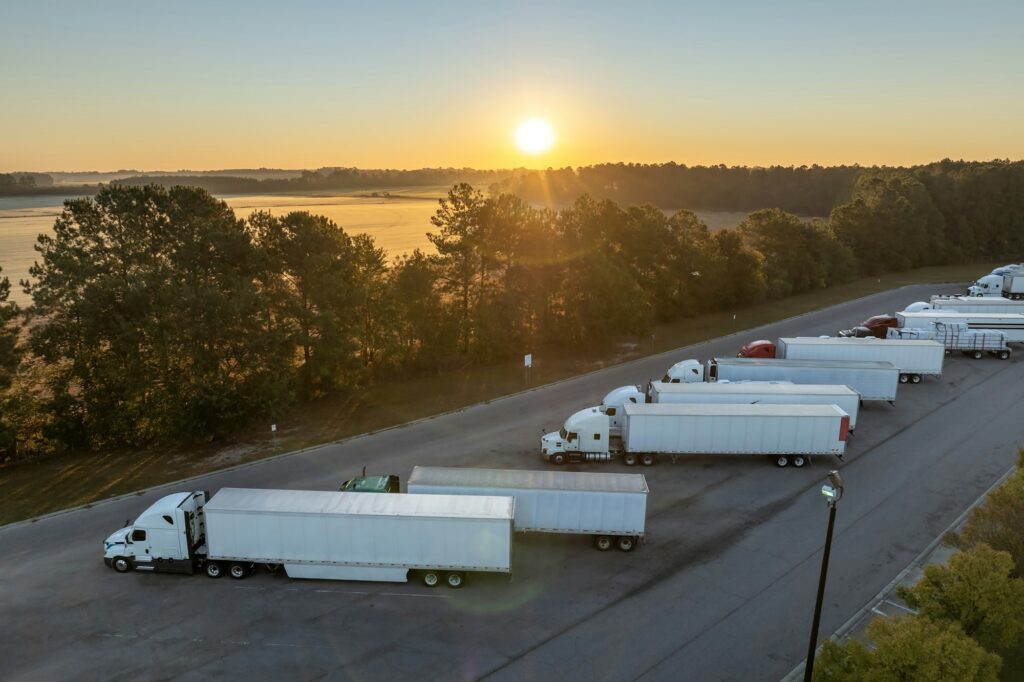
812 647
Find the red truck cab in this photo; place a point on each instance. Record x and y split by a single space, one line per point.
880 324
762 348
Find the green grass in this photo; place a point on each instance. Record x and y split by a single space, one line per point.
35 488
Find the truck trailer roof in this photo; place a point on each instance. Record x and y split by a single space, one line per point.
541 480
253 500
753 388
870 342
781 362
745 409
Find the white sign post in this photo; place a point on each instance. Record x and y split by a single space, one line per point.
273 431
527 364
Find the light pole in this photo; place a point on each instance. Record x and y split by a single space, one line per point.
832 492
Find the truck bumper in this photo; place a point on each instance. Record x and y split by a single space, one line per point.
109 561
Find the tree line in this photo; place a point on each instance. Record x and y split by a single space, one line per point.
160 316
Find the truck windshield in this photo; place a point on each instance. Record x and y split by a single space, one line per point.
563 433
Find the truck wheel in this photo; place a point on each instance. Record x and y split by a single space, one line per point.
1004 355
238 571
558 459
915 378
121 564
603 543
781 461
455 580
629 459
431 578
799 461
904 378
214 569
647 459
627 543
977 355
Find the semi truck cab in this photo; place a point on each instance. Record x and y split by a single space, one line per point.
169 536
989 285
611 405
584 433
762 348
684 372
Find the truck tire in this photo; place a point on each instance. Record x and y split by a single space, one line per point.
915 378
1003 355
629 459
782 461
239 571
799 461
455 579
431 578
904 378
121 564
977 355
558 459
626 543
647 459
602 542
214 569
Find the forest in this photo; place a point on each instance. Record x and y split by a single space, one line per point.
159 316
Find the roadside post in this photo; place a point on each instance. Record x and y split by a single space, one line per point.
832 492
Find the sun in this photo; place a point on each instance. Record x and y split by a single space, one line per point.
534 136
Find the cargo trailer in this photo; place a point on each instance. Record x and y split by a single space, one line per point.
610 507
731 393
320 534
1010 324
968 304
975 343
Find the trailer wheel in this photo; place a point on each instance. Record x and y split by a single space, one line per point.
238 571
647 459
1004 355
122 564
629 459
626 543
214 569
781 461
455 580
799 461
603 543
915 378
558 459
904 378
431 578
977 355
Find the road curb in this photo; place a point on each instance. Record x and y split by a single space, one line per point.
347 439
844 631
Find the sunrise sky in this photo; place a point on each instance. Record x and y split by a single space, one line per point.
169 85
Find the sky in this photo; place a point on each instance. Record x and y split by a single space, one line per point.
200 85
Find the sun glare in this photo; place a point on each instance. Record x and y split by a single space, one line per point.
534 136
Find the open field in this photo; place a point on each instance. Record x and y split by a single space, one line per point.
398 222
722 589
40 487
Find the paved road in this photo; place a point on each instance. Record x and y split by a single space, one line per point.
723 589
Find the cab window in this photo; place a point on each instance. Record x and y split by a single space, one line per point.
138 536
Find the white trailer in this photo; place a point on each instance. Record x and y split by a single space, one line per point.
320 534
1013 285
914 358
610 507
968 304
1010 324
975 343
784 432
872 380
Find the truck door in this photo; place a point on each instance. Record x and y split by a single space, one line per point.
138 545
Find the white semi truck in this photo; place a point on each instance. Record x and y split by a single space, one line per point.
786 433
913 357
612 508
730 393
1011 324
975 343
319 534
992 283
872 380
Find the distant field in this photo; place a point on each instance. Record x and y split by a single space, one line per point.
398 222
